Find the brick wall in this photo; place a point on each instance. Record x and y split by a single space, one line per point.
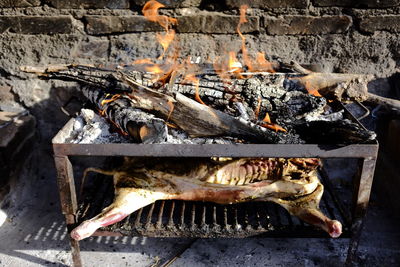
341 36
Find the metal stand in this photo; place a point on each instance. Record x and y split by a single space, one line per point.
366 152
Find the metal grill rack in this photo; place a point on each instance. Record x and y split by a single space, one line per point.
195 219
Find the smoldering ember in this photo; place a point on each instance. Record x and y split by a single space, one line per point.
192 128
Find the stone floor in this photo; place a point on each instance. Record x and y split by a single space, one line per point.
34 234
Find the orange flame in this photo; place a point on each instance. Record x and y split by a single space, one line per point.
267 119
273 126
196 82
150 12
233 64
165 40
311 89
155 68
109 100
262 64
171 108
143 61
242 20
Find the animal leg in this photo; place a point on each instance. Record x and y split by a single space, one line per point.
307 209
127 200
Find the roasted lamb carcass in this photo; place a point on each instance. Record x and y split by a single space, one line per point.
291 183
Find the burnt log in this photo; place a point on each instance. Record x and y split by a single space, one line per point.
141 126
200 120
346 88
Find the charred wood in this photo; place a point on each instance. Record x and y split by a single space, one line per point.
334 132
200 120
141 126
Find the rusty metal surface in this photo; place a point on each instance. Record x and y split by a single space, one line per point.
173 218
66 185
209 150
361 194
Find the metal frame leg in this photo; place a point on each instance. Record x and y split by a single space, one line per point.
66 185
361 196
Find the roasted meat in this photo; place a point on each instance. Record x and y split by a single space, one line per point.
291 183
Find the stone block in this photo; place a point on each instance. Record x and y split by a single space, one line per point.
264 4
89 4
380 23
18 3
172 3
98 25
36 24
305 25
216 24
5 23
357 3
92 49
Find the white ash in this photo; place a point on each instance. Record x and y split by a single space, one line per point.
327 116
90 128
176 136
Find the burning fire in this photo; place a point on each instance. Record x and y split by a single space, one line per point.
226 66
191 70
